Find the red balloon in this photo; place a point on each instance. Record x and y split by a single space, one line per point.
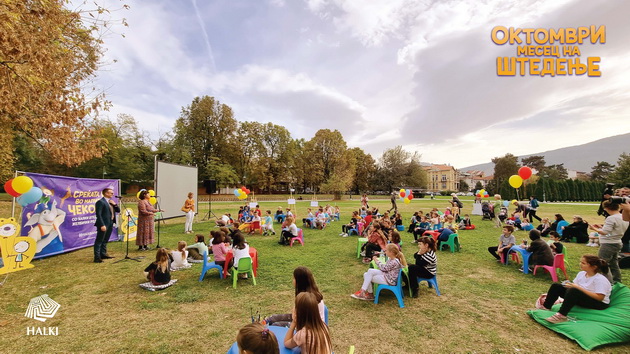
410 196
479 195
402 194
525 172
9 189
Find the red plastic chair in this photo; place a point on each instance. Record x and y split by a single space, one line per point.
255 226
514 258
299 238
558 262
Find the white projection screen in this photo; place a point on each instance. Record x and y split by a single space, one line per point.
172 185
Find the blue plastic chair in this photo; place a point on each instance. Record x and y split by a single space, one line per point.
400 227
396 289
209 265
431 282
326 314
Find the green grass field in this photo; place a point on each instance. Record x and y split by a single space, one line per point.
482 307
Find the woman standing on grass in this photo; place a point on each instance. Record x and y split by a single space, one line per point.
146 215
189 209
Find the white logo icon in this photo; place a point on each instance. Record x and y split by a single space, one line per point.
42 308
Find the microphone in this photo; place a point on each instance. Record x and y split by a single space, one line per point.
118 196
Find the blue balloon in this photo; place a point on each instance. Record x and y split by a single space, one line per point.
236 193
21 201
506 203
33 195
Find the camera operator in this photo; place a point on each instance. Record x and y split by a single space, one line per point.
625 213
608 192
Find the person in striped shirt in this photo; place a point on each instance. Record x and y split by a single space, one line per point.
426 263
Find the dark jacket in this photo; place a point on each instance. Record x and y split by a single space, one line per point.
541 253
579 230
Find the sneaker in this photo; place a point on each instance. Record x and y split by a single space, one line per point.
362 254
341 234
557 318
369 297
541 301
345 235
359 295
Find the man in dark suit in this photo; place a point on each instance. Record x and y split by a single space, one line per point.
105 213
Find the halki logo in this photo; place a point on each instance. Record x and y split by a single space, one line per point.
42 308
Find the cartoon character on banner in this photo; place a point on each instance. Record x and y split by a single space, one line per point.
44 228
17 251
129 224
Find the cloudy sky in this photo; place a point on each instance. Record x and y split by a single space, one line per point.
421 74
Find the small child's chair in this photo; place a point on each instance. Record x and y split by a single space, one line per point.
209 265
299 238
244 267
396 289
558 263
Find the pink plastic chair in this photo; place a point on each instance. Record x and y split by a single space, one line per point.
299 238
514 256
558 262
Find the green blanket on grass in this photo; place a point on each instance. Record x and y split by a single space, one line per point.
593 328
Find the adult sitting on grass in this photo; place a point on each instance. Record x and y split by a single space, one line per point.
506 241
426 263
589 289
303 281
578 229
385 274
289 231
541 252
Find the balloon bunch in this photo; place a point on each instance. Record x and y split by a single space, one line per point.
241 193
406 195
523 173
152 198
482 193
22 188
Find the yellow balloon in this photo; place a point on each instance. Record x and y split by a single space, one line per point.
514 201
407 201
152 200
515 181
483 191
152 192
22 184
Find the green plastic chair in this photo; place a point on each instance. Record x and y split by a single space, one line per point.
360 242
405 271
351 350
244 267
453 242
566 255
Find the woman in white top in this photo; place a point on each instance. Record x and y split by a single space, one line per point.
590 289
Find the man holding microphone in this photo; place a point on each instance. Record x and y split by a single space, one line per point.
106 210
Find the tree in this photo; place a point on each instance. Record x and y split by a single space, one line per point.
463 186
364 172
398 167
478 186
557 172
324 154
535 161
48 58
222 172
621 175
504 167
206 129
601 171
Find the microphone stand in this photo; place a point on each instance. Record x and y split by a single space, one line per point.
129 220
157 204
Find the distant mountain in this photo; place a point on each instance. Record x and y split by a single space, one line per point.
579 158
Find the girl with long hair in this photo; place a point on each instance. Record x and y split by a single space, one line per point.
385 274
180 256
303 281
255 338
426 263
311 333
158 272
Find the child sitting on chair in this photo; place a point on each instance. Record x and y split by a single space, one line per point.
240 249
385 274
158 272
422 227
554 242
219 248
394 237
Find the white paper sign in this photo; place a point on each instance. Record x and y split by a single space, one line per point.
314 203
253 204
291 201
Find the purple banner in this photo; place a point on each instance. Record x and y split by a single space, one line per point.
63 219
